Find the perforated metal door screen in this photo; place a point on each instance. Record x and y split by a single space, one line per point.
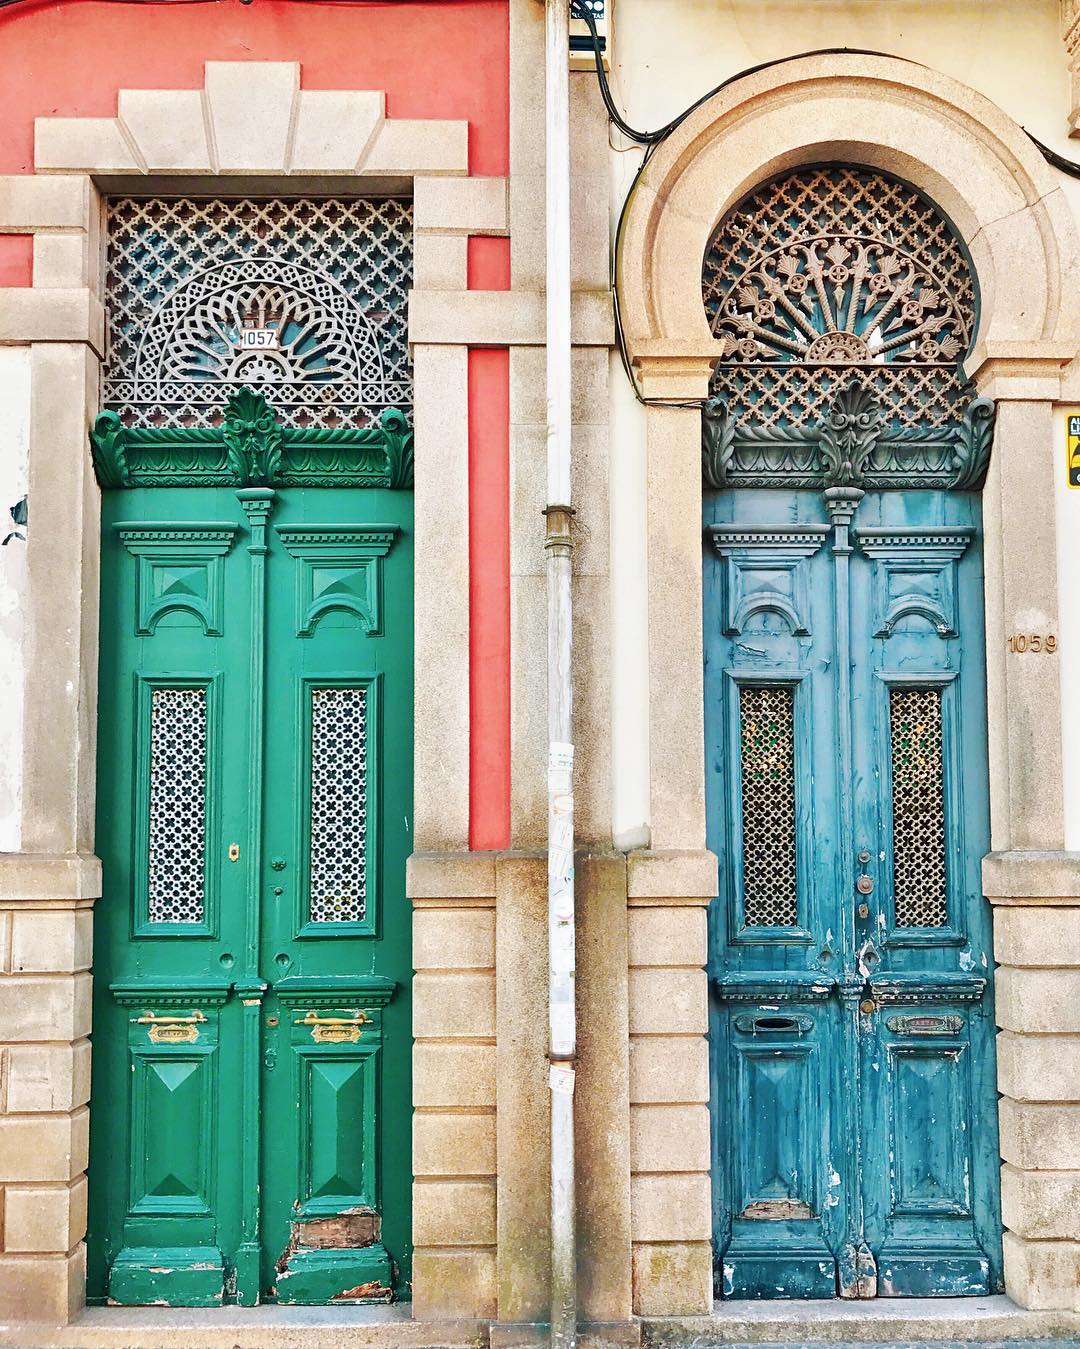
918 808
767 734
339 787
177 806
304 301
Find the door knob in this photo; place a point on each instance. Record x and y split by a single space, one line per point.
865 885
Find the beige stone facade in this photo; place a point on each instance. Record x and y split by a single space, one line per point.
480 1127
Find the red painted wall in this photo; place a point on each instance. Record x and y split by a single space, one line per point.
16 259
440 60
489 597
68 59
489 564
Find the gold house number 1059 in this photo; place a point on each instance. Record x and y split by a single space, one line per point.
1024 642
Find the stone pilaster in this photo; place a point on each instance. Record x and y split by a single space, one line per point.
454 1095
46 938
670 1187
1036 899
1033 884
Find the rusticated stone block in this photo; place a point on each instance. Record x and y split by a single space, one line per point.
43 1220
672 1278
49 1288
453 1284
454 1213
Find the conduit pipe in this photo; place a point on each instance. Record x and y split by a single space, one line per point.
558 545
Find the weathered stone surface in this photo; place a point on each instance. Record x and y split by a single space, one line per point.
672 1279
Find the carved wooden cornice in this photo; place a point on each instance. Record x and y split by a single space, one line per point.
252 449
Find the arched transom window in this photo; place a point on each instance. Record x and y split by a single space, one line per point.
842 281
303 301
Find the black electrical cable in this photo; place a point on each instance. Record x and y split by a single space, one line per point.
1069 166
581 11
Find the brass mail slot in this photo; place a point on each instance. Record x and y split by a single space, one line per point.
925 1025
172 1030
334 1030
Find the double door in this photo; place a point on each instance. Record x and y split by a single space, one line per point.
250 1133
855 1133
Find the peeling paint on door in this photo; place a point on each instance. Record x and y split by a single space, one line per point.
856 1120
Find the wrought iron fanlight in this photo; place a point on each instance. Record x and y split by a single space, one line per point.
844 303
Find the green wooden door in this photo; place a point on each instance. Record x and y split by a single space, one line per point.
250 1134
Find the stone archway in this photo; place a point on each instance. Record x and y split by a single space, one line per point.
952 143
981 169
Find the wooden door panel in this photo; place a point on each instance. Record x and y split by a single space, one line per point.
845 725
334 927
921 1176
254 929
333 1037
337 1113
174 1104
776 1107
781 1191
928 1110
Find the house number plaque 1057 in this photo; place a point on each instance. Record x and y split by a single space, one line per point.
259 339
1023 643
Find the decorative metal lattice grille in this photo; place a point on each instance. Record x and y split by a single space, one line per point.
338 866
177 815
304 301
918 807
767 734
834 271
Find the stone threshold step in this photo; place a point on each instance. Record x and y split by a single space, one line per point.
981 1322
247 1328
900 1321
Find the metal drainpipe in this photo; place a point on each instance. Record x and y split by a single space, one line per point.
559 545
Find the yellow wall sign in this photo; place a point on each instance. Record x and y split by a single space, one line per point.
1072 451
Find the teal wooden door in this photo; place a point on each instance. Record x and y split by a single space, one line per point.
855 1122
250 1134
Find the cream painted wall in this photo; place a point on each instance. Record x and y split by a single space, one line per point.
629 581
14 450
667 53
664 54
